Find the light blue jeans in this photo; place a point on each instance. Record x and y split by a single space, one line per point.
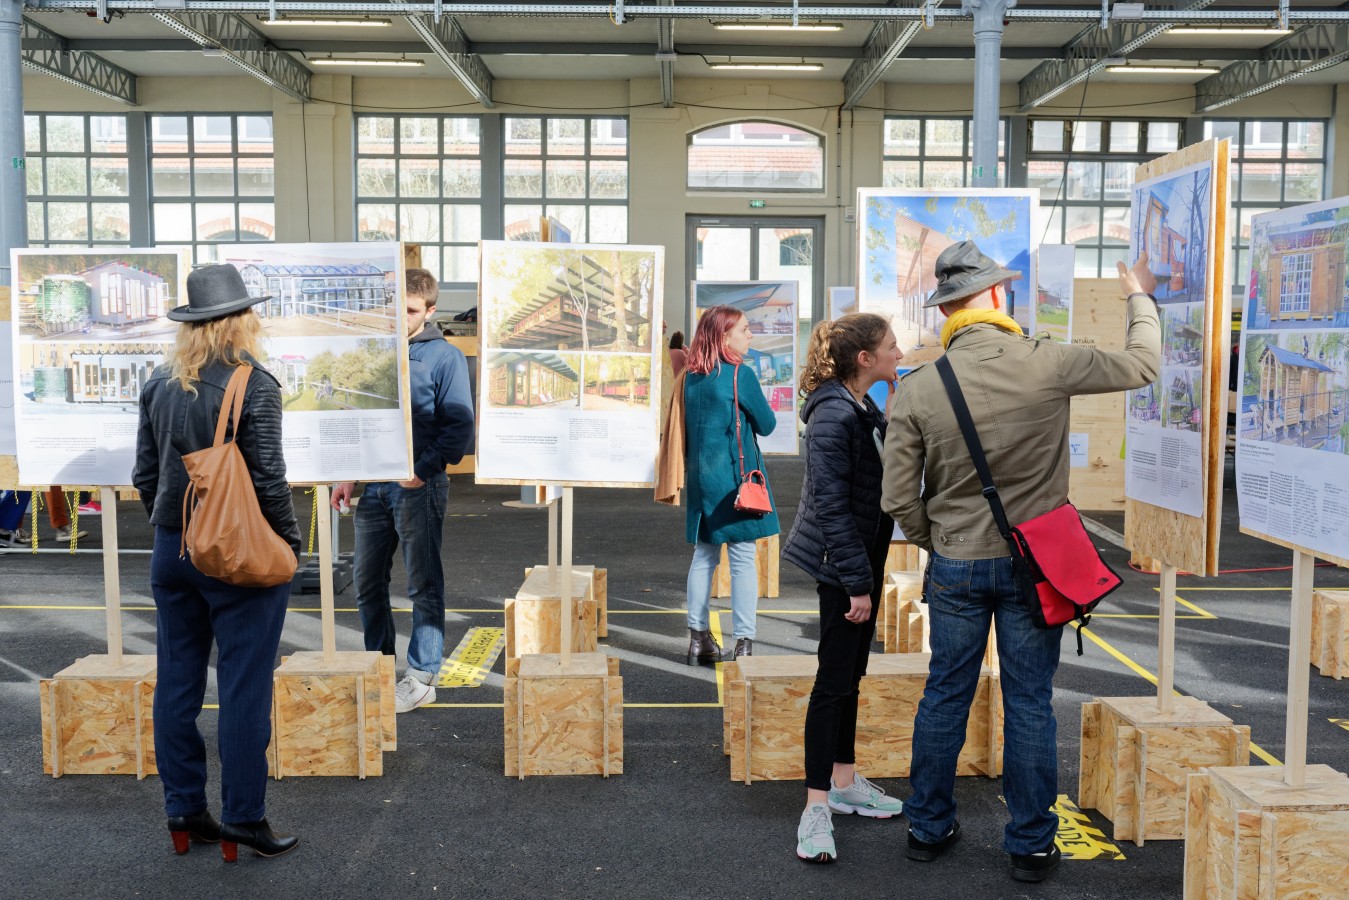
744 585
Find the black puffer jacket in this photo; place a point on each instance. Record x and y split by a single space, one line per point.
840 516
174 422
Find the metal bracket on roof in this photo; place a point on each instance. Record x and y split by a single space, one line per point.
796 13
1105 14
245 46
101 10
436 13
930 14
46 51
446 39
1283 14
1310 48
271 11
618 12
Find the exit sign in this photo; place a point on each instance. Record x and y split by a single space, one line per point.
756 204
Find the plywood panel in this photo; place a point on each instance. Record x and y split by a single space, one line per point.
563 719
1099 321
328 715
97 717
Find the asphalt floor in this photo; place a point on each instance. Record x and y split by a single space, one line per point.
444 822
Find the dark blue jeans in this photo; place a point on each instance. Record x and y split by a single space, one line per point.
192 611
962 596
386 515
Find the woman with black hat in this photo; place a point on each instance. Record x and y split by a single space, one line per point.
178 410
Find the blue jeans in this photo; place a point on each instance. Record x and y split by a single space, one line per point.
962 596
386 515
744 585
192 610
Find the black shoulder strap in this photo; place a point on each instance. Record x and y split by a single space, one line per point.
948 378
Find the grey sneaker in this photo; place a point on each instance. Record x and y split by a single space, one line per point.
16 538
864 798
411 693
63 535
815 835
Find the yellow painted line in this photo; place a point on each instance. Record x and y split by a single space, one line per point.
1203 613
714 625
1077 838
1097 615
1343 723
1105 645
472 659
671 705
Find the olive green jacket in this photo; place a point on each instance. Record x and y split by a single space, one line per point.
1017 389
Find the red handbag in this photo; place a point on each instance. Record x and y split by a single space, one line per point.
751 497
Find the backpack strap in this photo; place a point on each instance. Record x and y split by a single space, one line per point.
966 422
232 406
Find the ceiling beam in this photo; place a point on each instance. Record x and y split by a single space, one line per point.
243 45
884 45
47 52
446 39
1307 50
1087 53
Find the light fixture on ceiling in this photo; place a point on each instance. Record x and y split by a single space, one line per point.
1231 30
777 26
1162 70
329 21
768 67
394 61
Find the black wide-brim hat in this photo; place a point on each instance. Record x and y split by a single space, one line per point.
963 271
214 292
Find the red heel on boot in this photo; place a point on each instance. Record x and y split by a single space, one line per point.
182 841
230 851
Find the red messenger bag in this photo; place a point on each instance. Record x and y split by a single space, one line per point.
1058 571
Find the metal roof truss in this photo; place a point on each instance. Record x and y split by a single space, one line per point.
444 36
1307 50
48 52
243 45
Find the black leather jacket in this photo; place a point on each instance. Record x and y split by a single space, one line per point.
173 422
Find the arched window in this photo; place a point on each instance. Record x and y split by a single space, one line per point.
755 156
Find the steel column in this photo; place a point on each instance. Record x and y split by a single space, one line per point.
13 182
988 19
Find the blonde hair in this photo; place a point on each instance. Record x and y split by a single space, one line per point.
834 345
201 343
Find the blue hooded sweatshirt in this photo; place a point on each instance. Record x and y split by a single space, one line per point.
442 403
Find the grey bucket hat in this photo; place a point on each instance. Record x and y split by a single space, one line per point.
214 292
963 271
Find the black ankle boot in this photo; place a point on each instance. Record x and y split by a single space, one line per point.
200 827
702 648
258 835
744 647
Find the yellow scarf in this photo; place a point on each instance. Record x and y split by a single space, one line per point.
966 317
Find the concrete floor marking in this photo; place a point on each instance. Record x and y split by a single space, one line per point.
470 662
1077 838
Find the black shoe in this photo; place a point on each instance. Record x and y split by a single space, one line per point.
200 827
1034 867
743 647
922 851
703 648
258 835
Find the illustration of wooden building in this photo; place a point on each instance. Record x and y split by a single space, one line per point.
1166 247
1185 345
1308 278
1182 404
1293 393
532 379
584 291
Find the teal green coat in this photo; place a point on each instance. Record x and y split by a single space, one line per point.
712 464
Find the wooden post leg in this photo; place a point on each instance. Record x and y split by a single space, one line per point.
552 544
328 615
1166 640
568 510
112 576
1299 658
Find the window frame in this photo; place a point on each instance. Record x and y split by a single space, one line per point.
87 198
740 190
922 157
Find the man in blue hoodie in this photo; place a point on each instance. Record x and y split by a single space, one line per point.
413 511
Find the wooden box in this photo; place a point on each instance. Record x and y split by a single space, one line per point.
1135 759
767 559
600 588
534 616
563 719
97 718
1249 836
900 624
331 717
765 715
904 557
1330 633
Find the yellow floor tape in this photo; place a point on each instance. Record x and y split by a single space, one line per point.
1077 838
470 662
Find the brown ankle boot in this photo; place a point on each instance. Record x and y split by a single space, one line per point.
744 647
703 648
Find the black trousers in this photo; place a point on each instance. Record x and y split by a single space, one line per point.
831 716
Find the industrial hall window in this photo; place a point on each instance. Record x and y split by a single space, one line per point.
1084 170
76 168
419 179
934 153
755 156
573 169
1274 164
212 181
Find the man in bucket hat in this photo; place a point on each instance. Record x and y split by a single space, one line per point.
1017 389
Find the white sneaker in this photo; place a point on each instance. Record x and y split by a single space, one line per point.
411 693
16 538
63 535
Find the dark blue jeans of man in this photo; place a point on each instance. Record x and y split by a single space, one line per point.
192 611
962 597
387 515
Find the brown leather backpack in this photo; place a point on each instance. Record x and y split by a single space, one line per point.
226 532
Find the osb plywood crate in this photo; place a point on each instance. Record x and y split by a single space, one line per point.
900 624
1330 633
599 587
331 716
1249 836
904 557
563 719
765 716
97 717
767 560
534 615
1135 759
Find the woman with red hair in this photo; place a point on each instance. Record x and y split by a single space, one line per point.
719 395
